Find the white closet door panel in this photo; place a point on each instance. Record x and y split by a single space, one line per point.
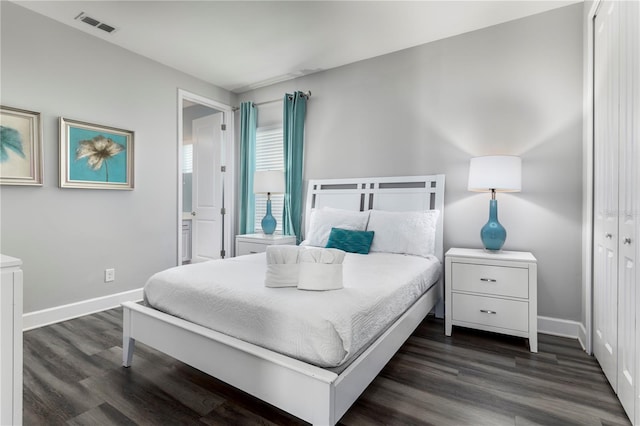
606 123
629 208
605 314
606 111
616 313
634 49
626 335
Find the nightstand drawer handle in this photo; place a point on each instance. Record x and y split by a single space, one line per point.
486 311
488 280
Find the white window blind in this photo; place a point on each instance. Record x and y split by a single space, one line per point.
269 156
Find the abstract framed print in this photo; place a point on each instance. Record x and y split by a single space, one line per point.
20 147
94 156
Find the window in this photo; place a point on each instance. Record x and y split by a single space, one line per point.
269 156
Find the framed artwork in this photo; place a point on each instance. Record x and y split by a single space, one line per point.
20 147
94 156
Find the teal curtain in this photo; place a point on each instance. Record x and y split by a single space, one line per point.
295 108
248 120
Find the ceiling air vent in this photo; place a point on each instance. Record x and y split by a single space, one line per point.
95 23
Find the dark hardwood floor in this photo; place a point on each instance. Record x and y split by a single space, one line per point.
73 375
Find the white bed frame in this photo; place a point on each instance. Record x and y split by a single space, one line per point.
311 393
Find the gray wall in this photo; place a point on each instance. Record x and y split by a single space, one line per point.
515 88
67 237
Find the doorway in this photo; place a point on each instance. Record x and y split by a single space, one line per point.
205 179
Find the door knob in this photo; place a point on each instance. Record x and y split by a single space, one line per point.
605 235
193 213
627 240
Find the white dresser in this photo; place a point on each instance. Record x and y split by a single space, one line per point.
257 243
10 341
492 291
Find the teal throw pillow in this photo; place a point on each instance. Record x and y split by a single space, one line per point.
350 241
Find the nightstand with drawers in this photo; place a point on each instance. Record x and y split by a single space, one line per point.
257 243
492 291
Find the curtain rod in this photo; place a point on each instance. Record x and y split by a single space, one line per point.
307 95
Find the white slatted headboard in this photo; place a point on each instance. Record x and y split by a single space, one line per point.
403 193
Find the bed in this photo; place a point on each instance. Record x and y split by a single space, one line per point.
308 389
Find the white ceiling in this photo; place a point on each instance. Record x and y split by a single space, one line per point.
242 45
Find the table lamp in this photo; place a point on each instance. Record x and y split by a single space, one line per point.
496 173
268 182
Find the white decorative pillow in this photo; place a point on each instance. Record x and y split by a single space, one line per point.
404 232
325 218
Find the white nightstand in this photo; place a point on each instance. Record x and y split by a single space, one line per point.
257 243
492 291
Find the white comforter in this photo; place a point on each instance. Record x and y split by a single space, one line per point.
323 328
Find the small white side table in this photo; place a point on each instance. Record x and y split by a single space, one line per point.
257 243
492 291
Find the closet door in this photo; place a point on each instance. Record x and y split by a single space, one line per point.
629 205
634 47
606 135
635 135
633 28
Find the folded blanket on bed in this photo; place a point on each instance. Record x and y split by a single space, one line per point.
282 266
320 268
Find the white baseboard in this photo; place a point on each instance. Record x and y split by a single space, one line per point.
582 338
48 316
560 327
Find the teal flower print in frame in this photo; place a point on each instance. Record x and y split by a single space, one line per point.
95 157
10 140
20 147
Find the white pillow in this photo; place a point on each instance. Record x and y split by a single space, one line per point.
404 232
325 218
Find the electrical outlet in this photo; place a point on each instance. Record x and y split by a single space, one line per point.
109 275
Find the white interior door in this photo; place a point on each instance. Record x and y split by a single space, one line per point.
634 126
605 259
207 187
629 202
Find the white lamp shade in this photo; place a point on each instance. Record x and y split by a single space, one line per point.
502 173
268 181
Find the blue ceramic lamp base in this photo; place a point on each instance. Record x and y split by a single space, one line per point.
493 234
268 221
